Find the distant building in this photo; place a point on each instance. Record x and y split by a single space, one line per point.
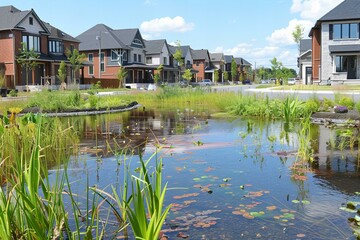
305 62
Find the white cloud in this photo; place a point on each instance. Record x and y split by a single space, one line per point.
166 24
313 9
283 36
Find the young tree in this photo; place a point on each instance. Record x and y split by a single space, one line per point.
298 35
76 60
187 75
233 69
216 75
62 72
226 76
178 54
157 76
27 59
121 76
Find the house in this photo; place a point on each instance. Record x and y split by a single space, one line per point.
228 60
50 43
218 64
116 48
336 44
243 68
157 52
201 62
304 62
187 59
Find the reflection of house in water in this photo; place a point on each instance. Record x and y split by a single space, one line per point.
337 169
133 130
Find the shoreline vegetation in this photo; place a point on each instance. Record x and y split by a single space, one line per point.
34 208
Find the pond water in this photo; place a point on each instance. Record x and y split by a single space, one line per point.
227 178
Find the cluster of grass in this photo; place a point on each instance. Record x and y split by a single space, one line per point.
33 207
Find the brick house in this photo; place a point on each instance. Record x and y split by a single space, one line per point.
201 62
336 44
116 47
50 43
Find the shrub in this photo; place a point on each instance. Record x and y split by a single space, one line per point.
346 101
13 93
312 105
326 104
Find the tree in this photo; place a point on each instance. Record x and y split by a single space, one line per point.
298 35
187 75
62 71
178 54
233 69
216 75
276 67
121 76
76 60
27 59
157 76
226 76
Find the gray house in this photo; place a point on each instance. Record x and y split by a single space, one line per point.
157 52
336 44
304 62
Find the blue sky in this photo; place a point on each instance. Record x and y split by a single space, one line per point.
257 30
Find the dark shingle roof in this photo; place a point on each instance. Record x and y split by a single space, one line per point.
127 35
90 38
154 46
305 45
241 61
228 58
202 54
10 17
347 10
184 49
56 33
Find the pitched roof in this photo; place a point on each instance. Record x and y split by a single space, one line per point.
305 45
11 17
90 39
154 46
228 58
217 57
56 33
184 49
241 61
347 10
202 54
127 35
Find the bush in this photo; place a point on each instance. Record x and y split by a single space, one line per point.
326 104
312 105
346 101
13 93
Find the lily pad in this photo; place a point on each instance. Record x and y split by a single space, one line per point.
295 201
305 202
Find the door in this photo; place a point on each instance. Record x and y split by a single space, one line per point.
308 75
351 68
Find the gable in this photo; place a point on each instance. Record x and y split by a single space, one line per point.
31 24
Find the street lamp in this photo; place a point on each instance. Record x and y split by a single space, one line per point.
99 39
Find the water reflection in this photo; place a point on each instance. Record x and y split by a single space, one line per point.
234 178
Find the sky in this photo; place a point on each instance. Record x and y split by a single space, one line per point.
256 30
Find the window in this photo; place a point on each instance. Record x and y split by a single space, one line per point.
137 41
31 21
115 53
135 57
56 47
344 31
341 63
165 61
139 58
31 42
148 60
124 56
102 62
91 59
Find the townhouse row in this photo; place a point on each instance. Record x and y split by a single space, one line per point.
106 50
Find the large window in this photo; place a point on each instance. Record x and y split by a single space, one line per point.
56 47
135 57
164 60
341 63
344 31
139 58
91 60
31 42
115 53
